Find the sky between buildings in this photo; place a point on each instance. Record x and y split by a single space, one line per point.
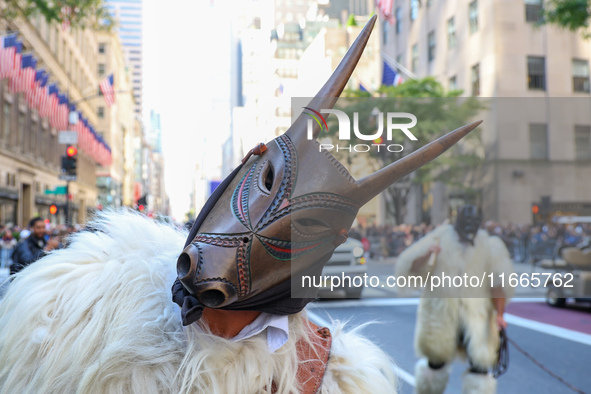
186 66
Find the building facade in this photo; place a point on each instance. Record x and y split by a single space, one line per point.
119 125
30 155
130 28
535 83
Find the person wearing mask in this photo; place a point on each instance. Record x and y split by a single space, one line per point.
454 320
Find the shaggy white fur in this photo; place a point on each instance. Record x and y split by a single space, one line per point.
444 314
474 383
98 317
430 381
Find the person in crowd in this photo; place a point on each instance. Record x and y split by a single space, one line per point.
7 244
33 247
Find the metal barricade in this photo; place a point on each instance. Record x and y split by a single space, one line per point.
542 250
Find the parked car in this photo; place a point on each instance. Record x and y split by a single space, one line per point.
571 279
348 259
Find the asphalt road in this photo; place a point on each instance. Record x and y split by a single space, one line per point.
558 338
564 351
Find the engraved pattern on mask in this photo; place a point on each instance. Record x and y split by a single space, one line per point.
282 205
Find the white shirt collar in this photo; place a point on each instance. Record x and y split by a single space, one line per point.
277 327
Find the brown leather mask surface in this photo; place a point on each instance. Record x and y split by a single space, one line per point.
267 223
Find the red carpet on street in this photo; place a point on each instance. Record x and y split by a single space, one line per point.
572 317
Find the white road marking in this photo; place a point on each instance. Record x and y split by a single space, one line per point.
549 329
387 302
401 373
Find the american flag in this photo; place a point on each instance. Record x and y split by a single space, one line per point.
46 101
31 95
52 106
107 89
23 79
385 8
40 97
65 15
8 50
391 76
62 112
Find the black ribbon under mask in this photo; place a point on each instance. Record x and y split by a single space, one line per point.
465 236
278 300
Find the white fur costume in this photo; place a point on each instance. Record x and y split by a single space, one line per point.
445 316
98 317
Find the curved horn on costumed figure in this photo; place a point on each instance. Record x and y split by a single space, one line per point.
374 184
332 89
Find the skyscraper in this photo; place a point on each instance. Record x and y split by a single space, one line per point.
129 16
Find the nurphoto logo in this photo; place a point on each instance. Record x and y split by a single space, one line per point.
376 138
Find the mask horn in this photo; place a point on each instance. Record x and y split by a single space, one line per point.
328 95
370 186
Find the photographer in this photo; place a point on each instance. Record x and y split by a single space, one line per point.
33 247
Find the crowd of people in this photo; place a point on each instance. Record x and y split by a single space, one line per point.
524 242
19 247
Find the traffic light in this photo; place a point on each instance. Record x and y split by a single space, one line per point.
142 203
53 209
546 205
69 161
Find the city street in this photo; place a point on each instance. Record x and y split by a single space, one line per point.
560 339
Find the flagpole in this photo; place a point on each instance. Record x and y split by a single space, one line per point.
97 95
399 67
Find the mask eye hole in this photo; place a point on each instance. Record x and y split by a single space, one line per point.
267 178
311 225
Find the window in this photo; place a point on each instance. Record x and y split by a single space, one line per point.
33 138
580 76
538 141
583 142
453 84
451 33
100 112
473 16
400 59
130 30
385 28
476 80
414 9
533 10
130 37
6 131
56 43
21 131
101 48
536 73
429 2
415 58
431 47
398 16
101 69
